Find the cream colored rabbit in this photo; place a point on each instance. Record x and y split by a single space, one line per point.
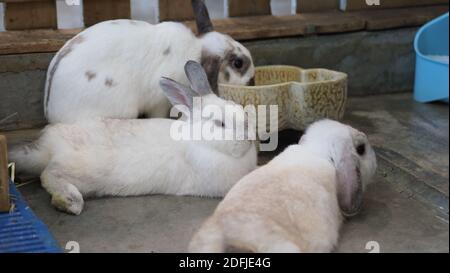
296 202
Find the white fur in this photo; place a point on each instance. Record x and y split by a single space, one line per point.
101 157
289 205
132 56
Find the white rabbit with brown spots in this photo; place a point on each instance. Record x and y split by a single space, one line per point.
112 69
113 157
296 203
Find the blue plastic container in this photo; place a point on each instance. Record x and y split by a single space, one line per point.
432 74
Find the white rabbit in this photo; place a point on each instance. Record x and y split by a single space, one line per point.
112 69
112 157
296 202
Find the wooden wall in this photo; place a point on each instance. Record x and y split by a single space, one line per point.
175 10
41 14
238 8
31 14
4 180
95 11
316 6
362 5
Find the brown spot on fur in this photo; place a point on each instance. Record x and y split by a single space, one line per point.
227 76
69 46
167 51
109 82
90 75
211 64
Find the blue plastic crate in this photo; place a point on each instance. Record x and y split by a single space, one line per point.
431 44
22 232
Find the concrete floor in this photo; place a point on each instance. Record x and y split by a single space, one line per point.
406 210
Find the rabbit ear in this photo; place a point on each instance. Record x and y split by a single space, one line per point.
198 78
349 181
202 18
177 93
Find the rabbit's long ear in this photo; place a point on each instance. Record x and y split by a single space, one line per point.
177 93
198 78
349 181
202 18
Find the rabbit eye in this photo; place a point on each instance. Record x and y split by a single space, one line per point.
238 63
361 149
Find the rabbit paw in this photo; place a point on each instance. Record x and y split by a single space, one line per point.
71 202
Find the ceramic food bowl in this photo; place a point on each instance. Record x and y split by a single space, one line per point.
303 96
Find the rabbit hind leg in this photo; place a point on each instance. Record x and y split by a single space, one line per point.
258 235
65 196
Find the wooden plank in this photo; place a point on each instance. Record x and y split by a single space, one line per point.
320 23
396 18
175 10
95 11
34 41
239 8
4 177
30 15
19 1
247 28
316 6
351 5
